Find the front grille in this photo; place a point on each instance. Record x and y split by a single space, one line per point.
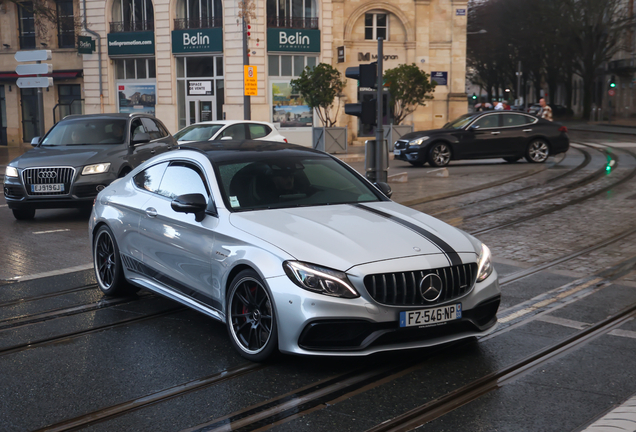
400 145
403 289
51 175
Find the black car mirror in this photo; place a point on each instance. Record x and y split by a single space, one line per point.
473 127
141 137
190 203
35 141
384 188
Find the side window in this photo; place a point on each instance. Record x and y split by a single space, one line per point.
150 178
236 131
136 127
511 120
182 178
151 128
489 121
163 129
258 130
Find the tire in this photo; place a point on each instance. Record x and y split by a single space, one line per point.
107 264
417 164
511 159
251 317
24 214
439 155
538 151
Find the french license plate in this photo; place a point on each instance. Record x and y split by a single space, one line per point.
55 187
432 316
397 152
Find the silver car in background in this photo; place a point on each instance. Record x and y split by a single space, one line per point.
293 250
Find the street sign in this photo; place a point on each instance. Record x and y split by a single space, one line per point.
39 55
250 80
34 69
35 82
612 92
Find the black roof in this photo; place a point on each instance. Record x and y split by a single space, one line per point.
122 116
224 151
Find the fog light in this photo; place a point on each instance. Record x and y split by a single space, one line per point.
100 188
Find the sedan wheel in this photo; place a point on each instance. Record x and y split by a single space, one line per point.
251 318
107 264
538 151
440 155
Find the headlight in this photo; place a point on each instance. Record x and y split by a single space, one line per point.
418 141
96 169
485 264
11 172
319 279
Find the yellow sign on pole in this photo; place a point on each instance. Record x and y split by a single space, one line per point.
250 80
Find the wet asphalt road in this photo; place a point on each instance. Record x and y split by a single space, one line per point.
57 365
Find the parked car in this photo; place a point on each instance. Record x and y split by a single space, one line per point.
534 109
293 250
509 135
80 156
229 130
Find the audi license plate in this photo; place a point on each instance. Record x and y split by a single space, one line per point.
397 152
55 187
432 316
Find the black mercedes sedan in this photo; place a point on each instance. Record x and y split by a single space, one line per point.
80 156
493 134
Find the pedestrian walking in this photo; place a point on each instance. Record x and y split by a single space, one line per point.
545 112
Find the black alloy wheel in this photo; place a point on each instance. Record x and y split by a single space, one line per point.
439 155
538 151
512 159
24 214
251 317
107 264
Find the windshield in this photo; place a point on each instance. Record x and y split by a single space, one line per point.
201 132
85 132
459 123
291 181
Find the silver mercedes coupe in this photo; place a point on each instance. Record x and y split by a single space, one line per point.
295 251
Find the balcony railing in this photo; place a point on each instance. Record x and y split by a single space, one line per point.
624 65
197 23
135 26
292 23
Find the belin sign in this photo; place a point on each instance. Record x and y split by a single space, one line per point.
197 40
293 40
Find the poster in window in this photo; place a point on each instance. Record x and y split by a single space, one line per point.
137 98
290 110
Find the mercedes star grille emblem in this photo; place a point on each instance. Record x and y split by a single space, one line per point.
47 174
431 287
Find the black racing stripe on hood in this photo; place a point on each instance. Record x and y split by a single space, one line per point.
451 254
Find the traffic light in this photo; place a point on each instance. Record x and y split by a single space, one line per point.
612 83
474 96
367 76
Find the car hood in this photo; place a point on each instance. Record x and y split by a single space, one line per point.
418 134
75 156
346 235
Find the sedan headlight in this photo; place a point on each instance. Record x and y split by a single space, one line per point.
319 279
484 268
96 169
418 141
11 171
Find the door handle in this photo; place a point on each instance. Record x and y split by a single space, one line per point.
495 133
527 130
151 212
152 151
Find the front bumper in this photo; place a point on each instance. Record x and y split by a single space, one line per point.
409 153
315 324
83 191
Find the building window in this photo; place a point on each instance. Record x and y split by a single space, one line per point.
193 14
289 109
66 24
27 25
301 14
135 68
376 25
289 65
132 16
69 99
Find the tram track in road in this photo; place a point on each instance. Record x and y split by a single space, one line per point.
25 300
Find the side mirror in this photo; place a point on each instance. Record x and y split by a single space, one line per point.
227 138
190 203
384 188
35 141
473 127
141 137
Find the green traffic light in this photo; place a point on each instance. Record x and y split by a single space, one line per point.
612 85
474 97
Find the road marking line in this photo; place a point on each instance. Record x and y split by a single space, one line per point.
4 205
623 333
621 418
51 273
51 231
563 322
